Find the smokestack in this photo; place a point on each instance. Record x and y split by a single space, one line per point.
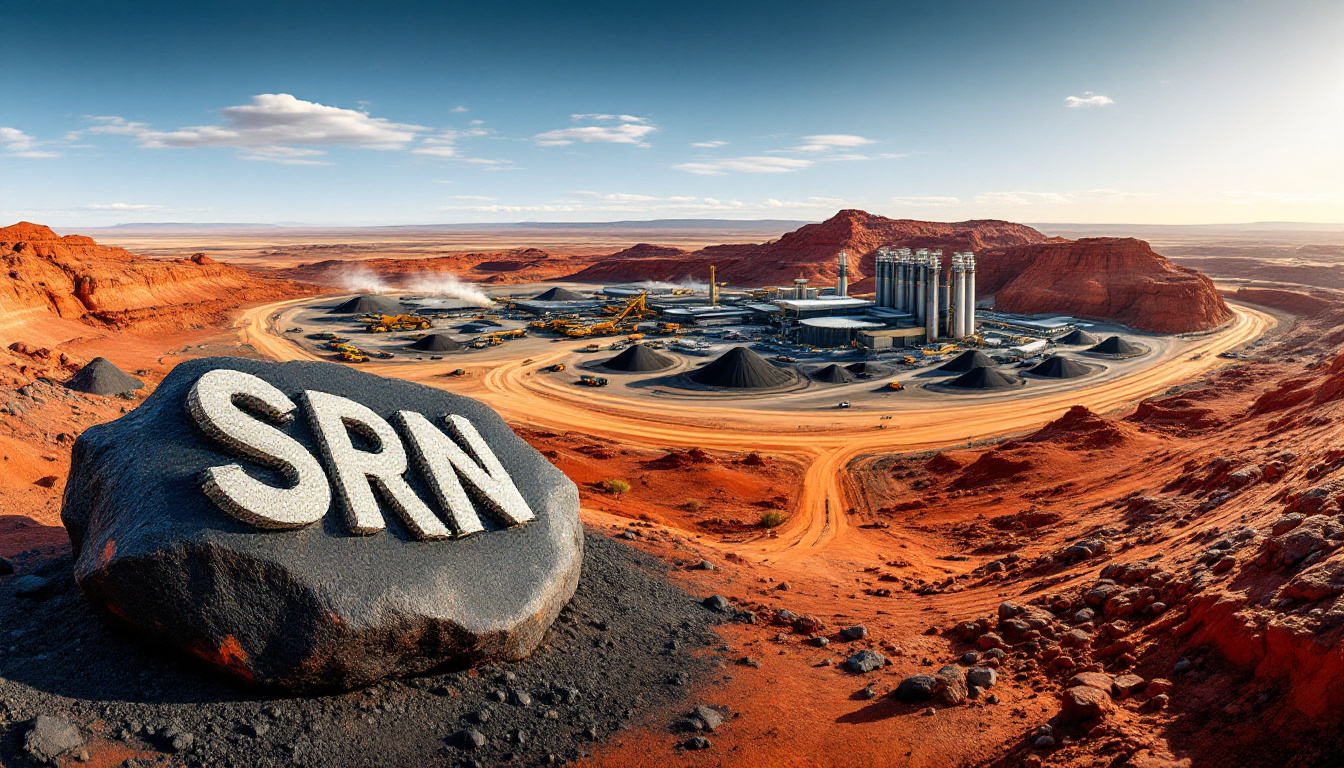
958 296
930 285
969 259
842 281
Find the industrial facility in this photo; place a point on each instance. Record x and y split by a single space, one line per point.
921 320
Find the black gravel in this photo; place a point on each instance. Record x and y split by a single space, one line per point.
620 653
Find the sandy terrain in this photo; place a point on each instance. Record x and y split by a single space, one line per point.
891 528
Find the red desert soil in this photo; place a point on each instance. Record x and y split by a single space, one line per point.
1212 514
1201 533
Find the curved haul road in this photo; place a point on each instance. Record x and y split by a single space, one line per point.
825 441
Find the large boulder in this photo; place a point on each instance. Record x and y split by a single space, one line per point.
291 588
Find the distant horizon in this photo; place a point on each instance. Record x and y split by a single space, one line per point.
711 223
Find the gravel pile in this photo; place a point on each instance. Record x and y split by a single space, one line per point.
639 359
740 368
369 304
101 377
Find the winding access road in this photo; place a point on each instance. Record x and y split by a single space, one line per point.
825 441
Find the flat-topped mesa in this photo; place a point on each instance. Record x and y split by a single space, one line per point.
1110 278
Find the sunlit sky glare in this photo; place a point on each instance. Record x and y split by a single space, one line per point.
400 112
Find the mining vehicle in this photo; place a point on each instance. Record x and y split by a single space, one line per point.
894 386
592 381
617 324
842 404
383 355
634 337
785 359
593 348
459 372
908 360
385 323
557 368
669 328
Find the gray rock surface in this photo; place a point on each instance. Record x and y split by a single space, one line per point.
313 607
865 661
50 737
916 688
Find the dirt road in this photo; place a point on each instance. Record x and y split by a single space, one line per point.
825 441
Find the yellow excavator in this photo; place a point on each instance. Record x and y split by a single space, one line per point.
617 324
671 328
385 323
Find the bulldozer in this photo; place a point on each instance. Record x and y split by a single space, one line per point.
592 381
350 354
385 323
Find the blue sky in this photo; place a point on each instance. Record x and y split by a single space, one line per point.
404 112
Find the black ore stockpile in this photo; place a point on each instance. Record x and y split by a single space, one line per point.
877 370
983 378
740 368
558 294
437 342
1056 367
1118 347
621 653
101 377
369 305
639 359
967 361
1078 338
833 374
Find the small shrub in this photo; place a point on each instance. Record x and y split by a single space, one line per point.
773 518
615 486
693 505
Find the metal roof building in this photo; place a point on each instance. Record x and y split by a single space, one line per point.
833 331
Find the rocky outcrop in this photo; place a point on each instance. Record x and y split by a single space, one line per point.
1119 279
76 279
809 251
1107 278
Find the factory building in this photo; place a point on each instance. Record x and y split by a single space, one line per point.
914 283
833 331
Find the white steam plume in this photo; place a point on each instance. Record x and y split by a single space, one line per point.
361 279
446 285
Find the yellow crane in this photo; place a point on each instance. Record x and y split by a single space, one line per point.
615 325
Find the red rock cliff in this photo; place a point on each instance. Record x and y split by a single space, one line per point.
809 251
1106 278
76 279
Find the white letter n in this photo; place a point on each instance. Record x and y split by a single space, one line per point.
442 462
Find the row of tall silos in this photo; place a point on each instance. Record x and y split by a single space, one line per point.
913 282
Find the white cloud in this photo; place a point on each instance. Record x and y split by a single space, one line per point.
1088 99
709 144
617 197
613 129
925 201
123 207
444 143
1021 198
745 165
275 127
19 144
459 109
637 204
830 141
